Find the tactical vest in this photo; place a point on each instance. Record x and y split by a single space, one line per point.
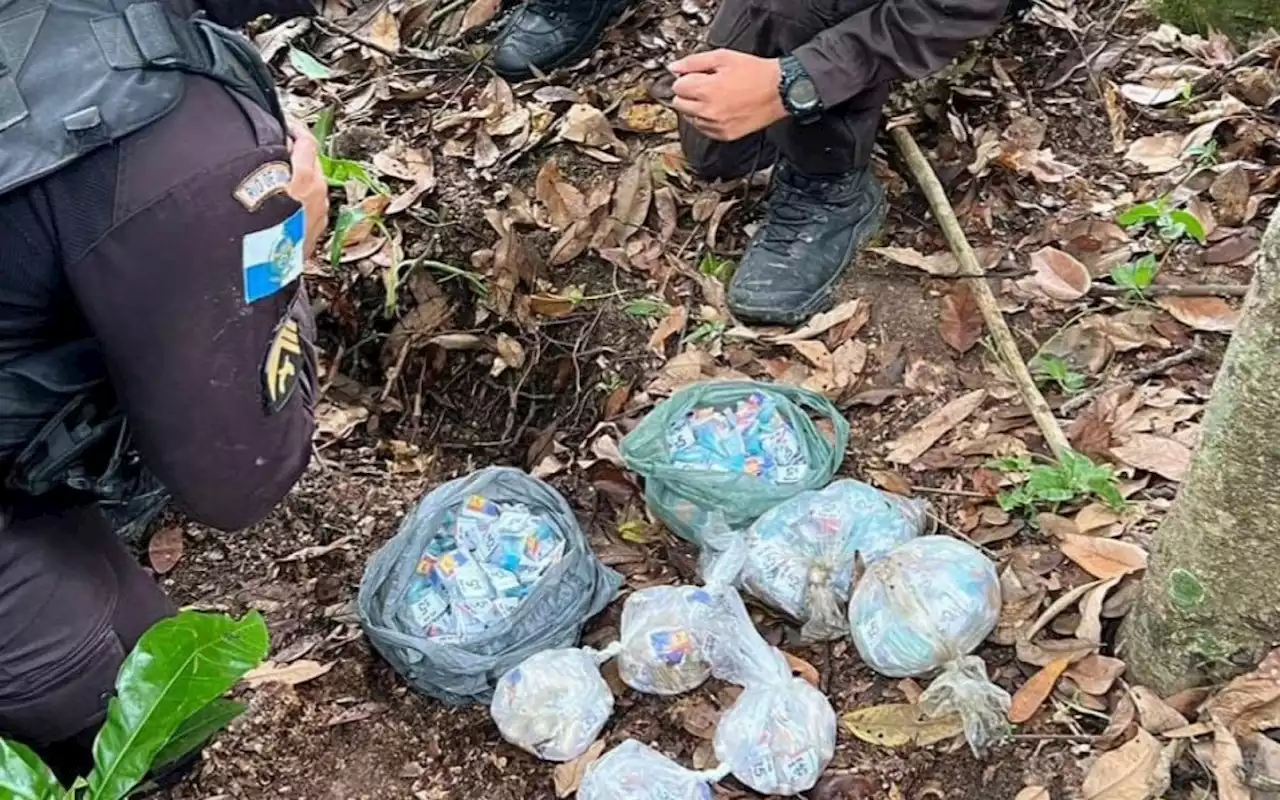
76 75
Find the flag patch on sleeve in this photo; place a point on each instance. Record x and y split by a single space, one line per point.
273 257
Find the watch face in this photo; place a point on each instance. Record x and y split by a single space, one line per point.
803 94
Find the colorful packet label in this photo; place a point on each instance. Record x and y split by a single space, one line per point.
671 647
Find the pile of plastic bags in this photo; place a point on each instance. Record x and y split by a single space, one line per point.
486 571
735 449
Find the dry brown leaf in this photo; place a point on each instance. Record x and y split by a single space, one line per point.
562 200
1251 702
664 201
289 674
1166 92
890 481
1096 674
1154 714
1211 314
1162 455
847 362
165 550
1157 154
1122 723
1039 164
925 433
480 12
816 353
486 153
1116 116
1095 516
821 323
1090 627
673 323
1231 191
1058 275
803 668
568 776
587 125
1104 558
1136 771
384 30
717 218
1228 764
649 118
631 200
1033 793
1028 699
510 354
942 263
697 716
959 321
419 167
900 724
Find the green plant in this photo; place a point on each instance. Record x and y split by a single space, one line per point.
706 332
1136 276
168 701
1074 477
1172 223
647 308
713 266
1055 370
309 65
1206 155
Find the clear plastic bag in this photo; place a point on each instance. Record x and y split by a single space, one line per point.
801 553
735 447
635 771
555 704
780 734
925 607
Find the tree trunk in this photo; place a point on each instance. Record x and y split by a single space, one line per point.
1210 602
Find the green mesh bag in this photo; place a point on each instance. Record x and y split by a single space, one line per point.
684 498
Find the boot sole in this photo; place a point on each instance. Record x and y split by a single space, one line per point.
588 44
822 300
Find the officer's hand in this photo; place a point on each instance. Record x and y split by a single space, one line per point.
308 185
727 95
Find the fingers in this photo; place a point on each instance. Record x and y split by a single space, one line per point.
693 109
698 62
694 86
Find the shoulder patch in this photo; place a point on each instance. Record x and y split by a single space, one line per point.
266 181
283 365
273 257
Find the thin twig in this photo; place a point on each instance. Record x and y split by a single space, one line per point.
329 27
982 294
1171 290
1053 737
950 492
1149 371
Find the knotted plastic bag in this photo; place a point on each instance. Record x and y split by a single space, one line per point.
555 704
925 607
735 447
484 553
780 734
634 771
665 629
800 555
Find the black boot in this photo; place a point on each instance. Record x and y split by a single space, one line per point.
546 34
813 228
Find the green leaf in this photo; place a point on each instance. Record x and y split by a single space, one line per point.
715 267
1188 222
348 218
197 729
323 129
179 666
647 307
1139 214
23 776
307 64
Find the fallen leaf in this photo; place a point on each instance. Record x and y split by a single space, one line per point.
289 674
697 716
1233 249
1191 731
1153 95
1090 627
319 550
556 94
1058 275
587 125
1154 714
1211 314
1251 702
1104 558
890 481
568 776
915 442
815 353
631 200
943 263
486 153
1231 191
384 30
510 354
419 167
803 668
1095 516
1033 793
1162 455
1028 699
339 421
821 323
1039 164
562 200
165 550
960 321
1157 154
1096 674
900 724
552 305
480 12
1130 772
673 323
649 118
357 713
1228 764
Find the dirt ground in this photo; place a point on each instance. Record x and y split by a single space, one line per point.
407 407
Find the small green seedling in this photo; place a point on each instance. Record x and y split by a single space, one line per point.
1055 370
309 65
1050 485
647 308
706 332
713 266
1206 155
1137 276
1173 224
168 702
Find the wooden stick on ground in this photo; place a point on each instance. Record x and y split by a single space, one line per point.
975 277
1159 367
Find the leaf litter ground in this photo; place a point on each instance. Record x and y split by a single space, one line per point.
543 269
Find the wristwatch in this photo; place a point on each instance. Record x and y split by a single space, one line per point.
799 94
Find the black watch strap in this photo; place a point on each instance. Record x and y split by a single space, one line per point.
799 93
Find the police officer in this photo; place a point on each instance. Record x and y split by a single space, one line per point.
155 214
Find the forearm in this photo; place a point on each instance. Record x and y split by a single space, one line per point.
893 40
